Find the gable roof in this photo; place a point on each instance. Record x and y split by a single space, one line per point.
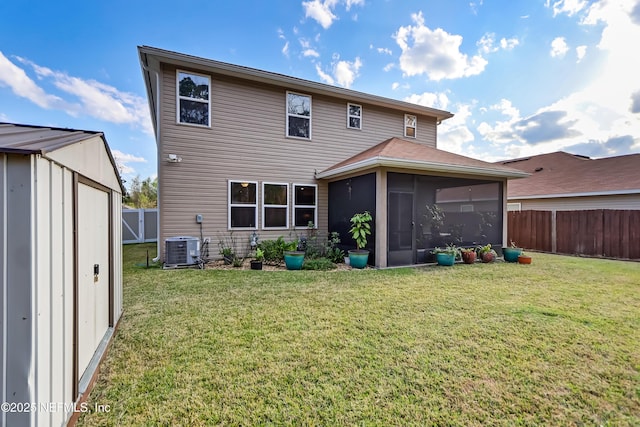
397 152
562 174
151 59
30 139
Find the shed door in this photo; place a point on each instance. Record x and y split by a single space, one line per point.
93 271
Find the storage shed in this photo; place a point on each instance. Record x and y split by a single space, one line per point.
60 269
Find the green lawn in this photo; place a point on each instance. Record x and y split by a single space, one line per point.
553 343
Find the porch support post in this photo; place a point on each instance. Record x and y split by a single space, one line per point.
505 216
381 218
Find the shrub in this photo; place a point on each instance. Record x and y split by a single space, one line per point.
318 264
273 250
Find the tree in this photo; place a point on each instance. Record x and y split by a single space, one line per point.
142 194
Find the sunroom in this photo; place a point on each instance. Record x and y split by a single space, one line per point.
420 197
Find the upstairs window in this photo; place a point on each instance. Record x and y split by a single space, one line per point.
243 204
410 125
354 116
305 202
275 206
298 115
193 98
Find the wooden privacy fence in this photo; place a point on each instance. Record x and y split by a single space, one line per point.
603 232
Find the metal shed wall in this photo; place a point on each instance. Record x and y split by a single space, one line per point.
37 279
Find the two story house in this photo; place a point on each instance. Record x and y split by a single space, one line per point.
244 151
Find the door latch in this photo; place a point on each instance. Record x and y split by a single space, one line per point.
96 272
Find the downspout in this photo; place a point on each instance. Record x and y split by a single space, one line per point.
157 130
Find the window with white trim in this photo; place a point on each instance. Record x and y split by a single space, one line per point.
305 205
275 206
298 115
194 98
410 125
354 116
243 205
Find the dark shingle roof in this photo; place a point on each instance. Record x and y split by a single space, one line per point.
562 173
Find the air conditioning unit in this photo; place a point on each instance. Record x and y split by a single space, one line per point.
181 251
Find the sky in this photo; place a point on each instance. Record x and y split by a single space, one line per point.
522 77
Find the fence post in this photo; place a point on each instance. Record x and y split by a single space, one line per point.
554 232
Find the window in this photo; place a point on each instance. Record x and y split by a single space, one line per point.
275 205
193 98
243 206
305 201
410 124
298 115
354 116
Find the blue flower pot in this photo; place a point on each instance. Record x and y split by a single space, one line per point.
358 258
511 254
445 259
293 260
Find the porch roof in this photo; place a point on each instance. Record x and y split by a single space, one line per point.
400 153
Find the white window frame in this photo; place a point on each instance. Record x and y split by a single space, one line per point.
296 206
241 205
467 208
286 108
349 115
265 205
414 127
179 98
514 206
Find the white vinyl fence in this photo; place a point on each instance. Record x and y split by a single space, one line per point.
139 225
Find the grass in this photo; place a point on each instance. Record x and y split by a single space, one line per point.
553 343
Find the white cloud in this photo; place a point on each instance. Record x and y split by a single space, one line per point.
88 97
395 85
559 47
23 86
310 52
430 99
320 11
454 134
123 159
435 53
570 7
509 44
581 51
324 76
390 66
285 49
343 73
385 50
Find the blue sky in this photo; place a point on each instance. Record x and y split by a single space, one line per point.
521 77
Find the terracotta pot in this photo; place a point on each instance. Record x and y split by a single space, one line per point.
488 257
469 257
524 259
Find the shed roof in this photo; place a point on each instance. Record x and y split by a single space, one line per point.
562 174
43 140
151 59
397 152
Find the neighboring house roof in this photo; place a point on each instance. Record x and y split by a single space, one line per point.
151 58
29 139
400 153
562 174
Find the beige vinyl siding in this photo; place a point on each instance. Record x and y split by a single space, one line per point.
247 141
625 201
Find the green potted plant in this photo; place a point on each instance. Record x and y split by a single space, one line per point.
511 253
256 263
360 229
446 256
486 253
469 255
293 258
